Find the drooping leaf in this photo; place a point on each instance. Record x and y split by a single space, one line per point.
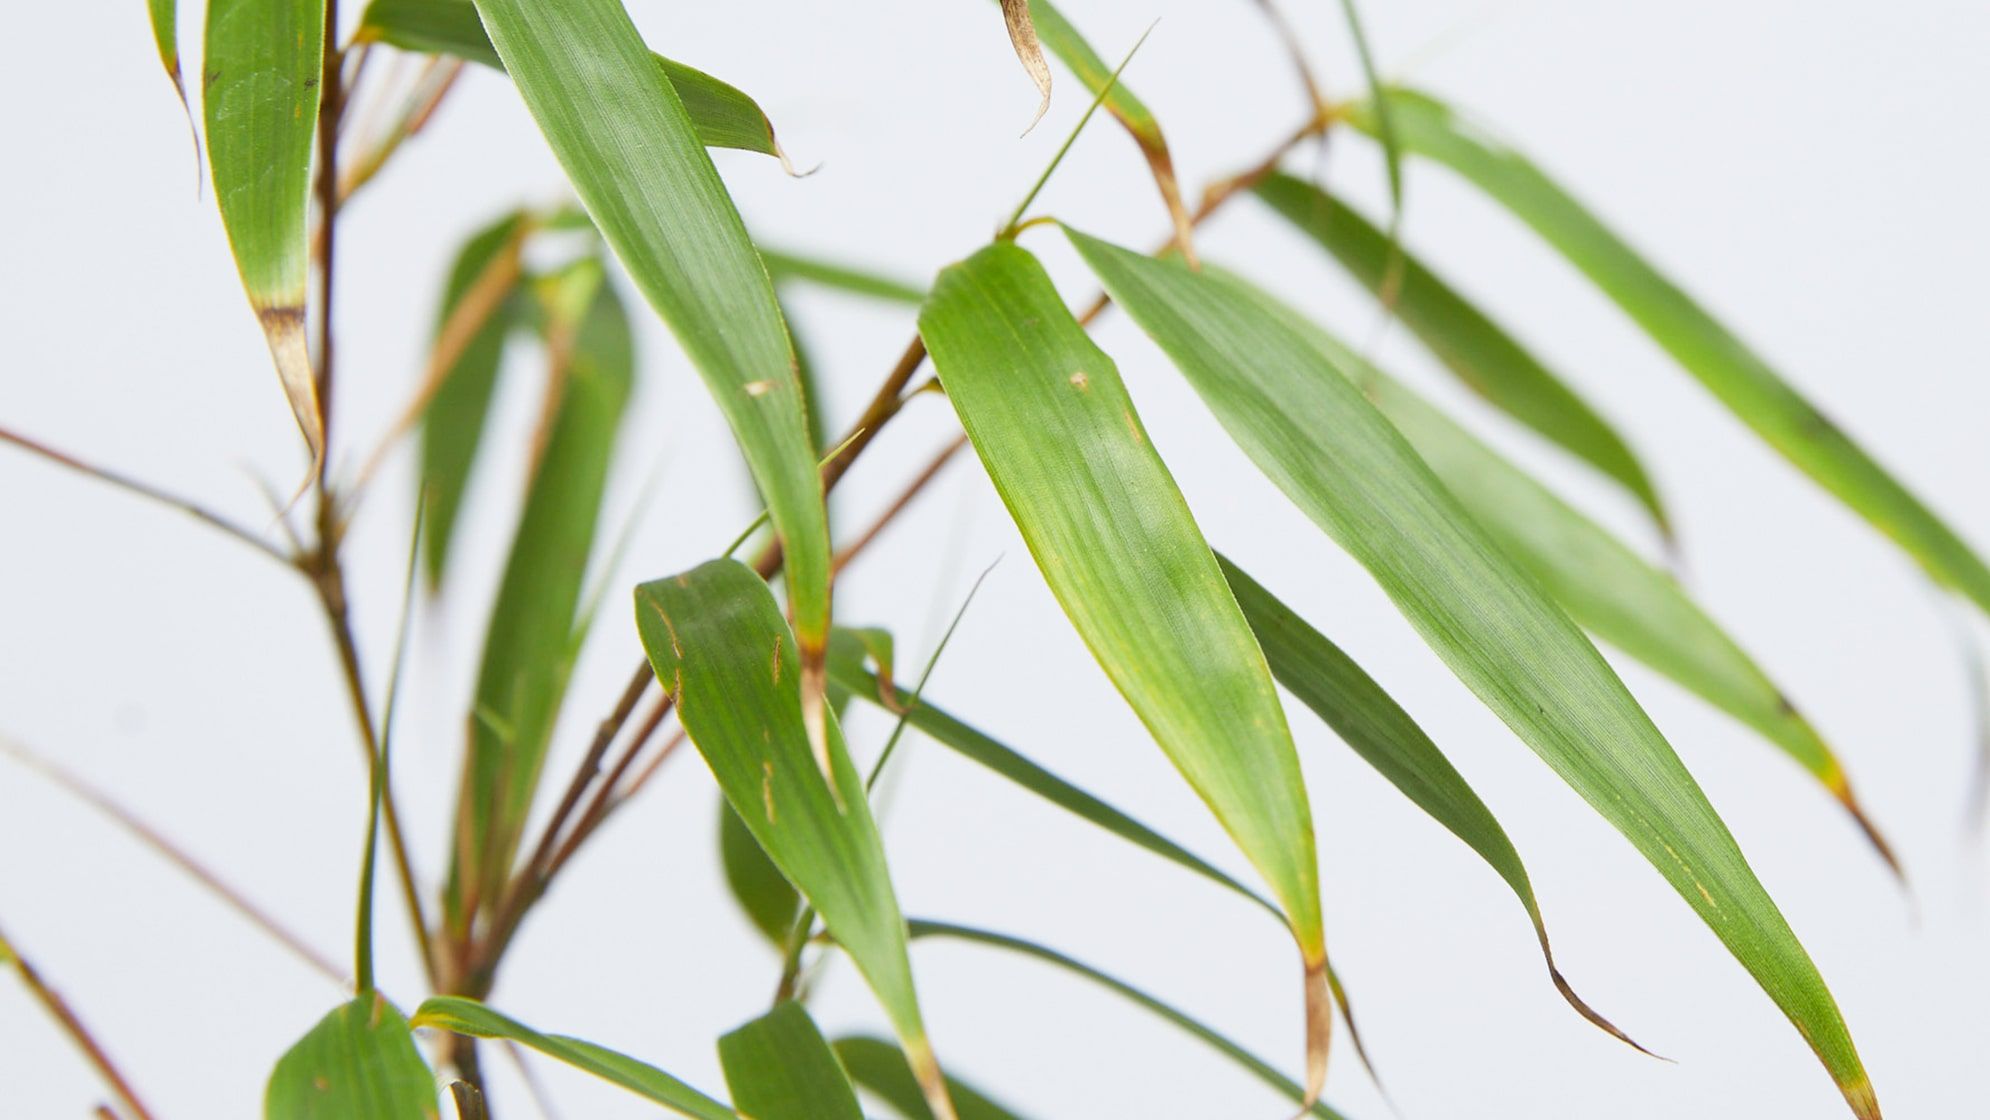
1022 36
1598 580
769 900
528 648
724 116
785 266
1264 1071
1311 432
619 128
452 426
1055 428
261 68
358 1063
1370 721
1071 48
1473 347
846 668
1733 372
166 38
474 1020
879 1068
718 642
779 1067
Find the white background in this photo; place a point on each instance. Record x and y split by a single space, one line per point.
1814 171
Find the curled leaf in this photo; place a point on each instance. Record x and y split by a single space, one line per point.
1022 36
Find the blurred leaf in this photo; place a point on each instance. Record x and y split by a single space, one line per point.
620 130
1385 132
358 1063
453 423
1052 423
779 1067
261 68
528 648
724 116
472 1019
784 266
879 1068
1368 720
846 668
1470 345
1309 429
1022 36
1601 582
1264 1071
769 900
1723 363
1071 48
718 642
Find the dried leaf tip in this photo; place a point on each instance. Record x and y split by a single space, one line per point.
932 1082
1022 36
283 327
1319 1032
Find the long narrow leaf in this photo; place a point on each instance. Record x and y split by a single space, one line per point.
786 266
1735 374
1473 347
725 116
358 1063
1053 425
528 648
262 64
1264 1071
879 1068
620 129
717 641
1309 429
779 1067
474 1020
452 426
1605 586
1370 721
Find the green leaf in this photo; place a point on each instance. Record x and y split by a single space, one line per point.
724 116
786 267
1600 581
166 38
1070 47
261 66
769 900
1370 721
1264 1071
1392 154
1735 374
1053 425
472 1019
779 1067
620 129
358 1063
1309 429
528 648
846 669
1473 347
718 642
880 1068
452 425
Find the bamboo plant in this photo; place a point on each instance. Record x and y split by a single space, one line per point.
744 657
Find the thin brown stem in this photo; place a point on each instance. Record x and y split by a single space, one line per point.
434 84
147 491
905 498
152 838
331 111
65 1017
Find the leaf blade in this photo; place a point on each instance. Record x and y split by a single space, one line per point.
1726 366
880 1068
475 1020
358 1063
1051 421
1475 349
779 1067
262 62
1310 431
718 642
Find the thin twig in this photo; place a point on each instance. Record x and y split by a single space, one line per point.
59 1010
331 112
905 498
147 491
434 84
97 799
